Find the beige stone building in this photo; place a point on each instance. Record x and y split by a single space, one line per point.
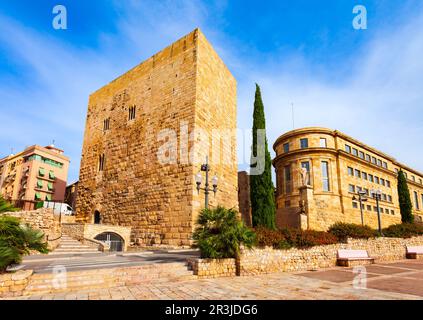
147 133
336 168
35 174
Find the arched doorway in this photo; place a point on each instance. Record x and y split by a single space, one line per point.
97 217
114 240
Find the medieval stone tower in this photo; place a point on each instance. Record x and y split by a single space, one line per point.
146 135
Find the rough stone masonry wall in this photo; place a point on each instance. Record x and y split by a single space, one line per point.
213 268
42 219
158 200
269 260
13 284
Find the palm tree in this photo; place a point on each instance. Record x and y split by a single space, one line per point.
17 240
6 206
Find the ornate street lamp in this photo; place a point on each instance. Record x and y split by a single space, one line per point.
199 178
361 198
377 195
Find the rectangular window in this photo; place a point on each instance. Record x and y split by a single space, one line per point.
306 165
286 148
37 196
48 197
393 212
304 143
377 180
416 200
389 198
132 112
388 183
325 176
361 154
387 211
368 158
323 143
420 181
50 186
101 161
351 188
366 191
39 184
41 172
359 189
384 197
369 207
379 162
364 175
106 124
355 152
375 209
382 181
347 148
287 176
374 161
385 164
371 178
355 205
51 175
413 178
350 171
357 173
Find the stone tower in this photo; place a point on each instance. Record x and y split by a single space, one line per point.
147 133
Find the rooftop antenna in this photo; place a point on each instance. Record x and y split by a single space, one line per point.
293 116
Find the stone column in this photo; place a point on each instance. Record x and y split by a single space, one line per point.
306 205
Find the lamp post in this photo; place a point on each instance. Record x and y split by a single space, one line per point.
361 198
377 195
198 180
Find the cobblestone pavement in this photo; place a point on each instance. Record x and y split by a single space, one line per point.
400 280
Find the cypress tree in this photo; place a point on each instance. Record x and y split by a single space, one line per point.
404 199
261 186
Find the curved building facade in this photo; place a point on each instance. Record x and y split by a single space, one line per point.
320 172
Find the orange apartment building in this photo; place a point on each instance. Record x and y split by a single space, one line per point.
33 175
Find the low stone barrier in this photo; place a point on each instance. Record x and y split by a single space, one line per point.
14 284
213 268
269 260
42 219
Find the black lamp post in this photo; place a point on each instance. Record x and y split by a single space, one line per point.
361 198
377 195
198 179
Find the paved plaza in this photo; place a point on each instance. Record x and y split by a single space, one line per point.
398 280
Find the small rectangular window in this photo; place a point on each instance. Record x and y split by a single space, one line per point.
355 152
361 154
347 148
101 161
377 180
388 183
286 148
364 175
323 143
357 173
350 171
325 176
369 207
393 212
351 188
368 158
382 181
374 161
385 164
416 200
106 124
379 162
355 205
371 178
132 112
375 209
389 198
304 143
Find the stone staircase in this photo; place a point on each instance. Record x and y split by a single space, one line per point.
71 246
46 283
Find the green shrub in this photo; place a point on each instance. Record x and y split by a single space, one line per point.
220 233
403 230
6 206
349 230
17 240
269 237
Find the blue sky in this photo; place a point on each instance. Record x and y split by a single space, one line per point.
366 83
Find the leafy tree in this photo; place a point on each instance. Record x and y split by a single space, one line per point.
220 233
17 240
6 206
261 186
406 206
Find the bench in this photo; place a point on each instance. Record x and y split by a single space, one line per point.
350 258
414 252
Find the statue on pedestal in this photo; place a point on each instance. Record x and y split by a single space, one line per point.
305 177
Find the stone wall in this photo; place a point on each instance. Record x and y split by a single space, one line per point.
13 284
269 260
42 219
213 268
180 93
84 232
